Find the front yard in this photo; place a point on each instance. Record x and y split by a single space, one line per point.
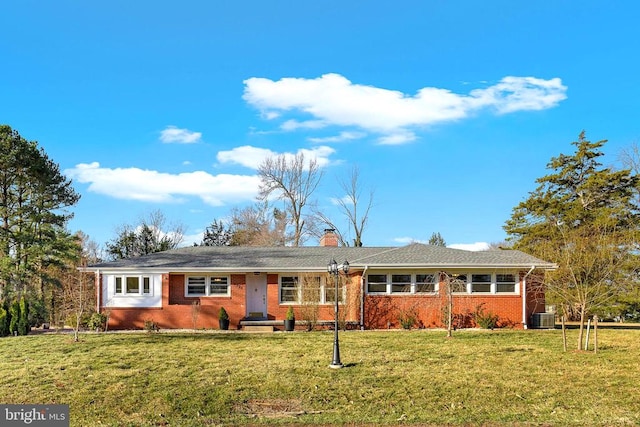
501 377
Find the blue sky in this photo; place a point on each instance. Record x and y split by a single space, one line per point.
450 110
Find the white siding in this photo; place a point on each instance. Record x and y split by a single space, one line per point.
110 299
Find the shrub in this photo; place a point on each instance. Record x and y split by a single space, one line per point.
14 317
23 321
4 322
150 326
290 314
485 320
222 314
97 322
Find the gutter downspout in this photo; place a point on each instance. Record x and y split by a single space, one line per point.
362 297
524 297
98 290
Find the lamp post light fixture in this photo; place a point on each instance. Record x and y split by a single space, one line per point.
334 269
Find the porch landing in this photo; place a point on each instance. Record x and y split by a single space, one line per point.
255 324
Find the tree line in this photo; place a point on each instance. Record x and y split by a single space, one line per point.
582 215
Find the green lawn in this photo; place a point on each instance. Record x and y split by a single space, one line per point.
501 377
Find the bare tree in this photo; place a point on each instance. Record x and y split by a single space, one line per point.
352 206
293 180
592 269
258 225
356 213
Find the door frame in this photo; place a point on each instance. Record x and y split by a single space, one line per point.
256 285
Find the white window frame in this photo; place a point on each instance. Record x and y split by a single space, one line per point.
323 300
296 288
412 284
493 285
123 285
516 279
208 283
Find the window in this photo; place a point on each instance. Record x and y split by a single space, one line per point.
505 283
289 289
376 283
133 285
196 285
481 283
311 289
218 286
459 283
330 291
400 283
425 283
207 286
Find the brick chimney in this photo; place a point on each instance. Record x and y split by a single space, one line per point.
330 238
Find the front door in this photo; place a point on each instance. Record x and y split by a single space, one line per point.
257 295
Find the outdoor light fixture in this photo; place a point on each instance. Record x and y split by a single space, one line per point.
334 269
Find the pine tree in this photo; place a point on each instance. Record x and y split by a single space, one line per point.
581 216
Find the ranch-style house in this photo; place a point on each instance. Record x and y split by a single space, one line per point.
185 287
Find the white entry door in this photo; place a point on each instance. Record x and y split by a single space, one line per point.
256 295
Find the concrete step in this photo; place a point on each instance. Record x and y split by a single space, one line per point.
257 328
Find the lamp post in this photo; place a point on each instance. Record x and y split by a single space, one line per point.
334 269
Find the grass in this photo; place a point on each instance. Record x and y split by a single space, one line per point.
491 378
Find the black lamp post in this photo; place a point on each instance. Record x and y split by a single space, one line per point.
334 269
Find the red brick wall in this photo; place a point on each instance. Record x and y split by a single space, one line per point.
380 311
384 311
178 311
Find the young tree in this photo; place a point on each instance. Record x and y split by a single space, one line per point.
582 216
437 240
293 180
147 237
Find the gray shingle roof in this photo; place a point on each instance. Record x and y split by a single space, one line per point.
316 258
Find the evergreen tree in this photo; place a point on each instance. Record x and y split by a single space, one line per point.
581 216
4 322
23 322
437 240
216 234
34 198
14 314
146 238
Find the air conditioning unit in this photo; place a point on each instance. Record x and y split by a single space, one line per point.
543 321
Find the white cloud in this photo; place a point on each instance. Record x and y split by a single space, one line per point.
153 186
290 125
173 134
408 240
245 155
343 136
344 200
477 246
251 157
332 100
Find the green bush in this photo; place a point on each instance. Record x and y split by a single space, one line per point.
14 317
150 326
97 322
222 314
4 322
23 321
485 320
290 314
